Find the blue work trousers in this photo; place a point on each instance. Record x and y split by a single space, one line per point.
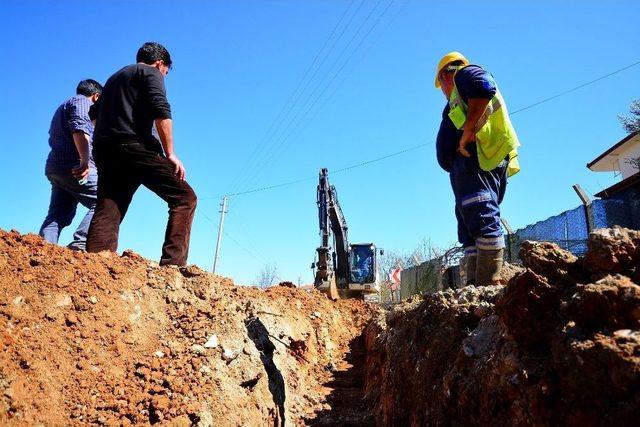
66 193
478 196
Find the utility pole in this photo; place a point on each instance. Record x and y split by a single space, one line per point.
223 211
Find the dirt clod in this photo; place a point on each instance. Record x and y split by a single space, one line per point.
559 345
103 339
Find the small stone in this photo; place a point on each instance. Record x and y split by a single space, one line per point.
158 354
622 333
51 315
198 349
228 355
93 299
205 369
212 342
18 300
63 300
71 319
317 314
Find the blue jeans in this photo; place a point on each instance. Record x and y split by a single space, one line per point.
478 196
66 193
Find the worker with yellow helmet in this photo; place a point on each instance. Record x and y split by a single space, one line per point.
477 145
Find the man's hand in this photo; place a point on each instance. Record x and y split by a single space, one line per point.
81 172
178 166
468 137
165 132
477 106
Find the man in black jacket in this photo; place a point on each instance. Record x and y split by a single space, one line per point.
127 154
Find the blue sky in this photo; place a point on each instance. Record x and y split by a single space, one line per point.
237 65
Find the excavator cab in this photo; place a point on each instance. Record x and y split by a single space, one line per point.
363 268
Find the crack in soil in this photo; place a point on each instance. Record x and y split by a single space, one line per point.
259 334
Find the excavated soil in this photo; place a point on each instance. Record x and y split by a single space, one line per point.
118 340
102 339
559 345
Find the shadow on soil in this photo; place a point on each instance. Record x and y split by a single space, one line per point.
346 400
260 337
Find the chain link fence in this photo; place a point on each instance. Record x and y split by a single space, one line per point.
569 230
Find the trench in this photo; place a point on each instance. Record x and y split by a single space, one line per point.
346 398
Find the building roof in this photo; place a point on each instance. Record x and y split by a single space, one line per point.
606 161
631 181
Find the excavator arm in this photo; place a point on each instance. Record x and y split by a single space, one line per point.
332 265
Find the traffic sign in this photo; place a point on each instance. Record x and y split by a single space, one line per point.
394 278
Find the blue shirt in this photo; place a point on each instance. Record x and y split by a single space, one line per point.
472 82
70 117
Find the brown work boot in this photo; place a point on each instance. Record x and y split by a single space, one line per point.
488 265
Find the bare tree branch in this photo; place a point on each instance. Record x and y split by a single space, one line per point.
268 276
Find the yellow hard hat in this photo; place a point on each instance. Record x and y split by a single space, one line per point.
447 59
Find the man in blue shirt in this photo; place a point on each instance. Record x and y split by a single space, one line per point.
478 193
70 167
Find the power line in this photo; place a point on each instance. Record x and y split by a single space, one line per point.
297 126
397 153
303 112
357 165
297 94
242 247
225 233
575 88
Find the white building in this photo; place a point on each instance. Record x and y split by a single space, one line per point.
621 159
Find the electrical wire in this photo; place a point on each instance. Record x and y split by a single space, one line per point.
574 88
333 172
225 233
397 153
297 93
311 102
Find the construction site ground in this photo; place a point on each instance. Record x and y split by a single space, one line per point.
107 339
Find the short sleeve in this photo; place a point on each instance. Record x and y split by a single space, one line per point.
475 82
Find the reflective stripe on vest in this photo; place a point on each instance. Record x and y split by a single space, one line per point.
495 136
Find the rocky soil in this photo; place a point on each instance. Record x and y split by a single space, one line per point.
117 340
102 339
559 345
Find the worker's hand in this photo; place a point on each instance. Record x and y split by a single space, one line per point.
468 137
81 172
178 166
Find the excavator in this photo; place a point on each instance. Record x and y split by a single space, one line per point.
343 270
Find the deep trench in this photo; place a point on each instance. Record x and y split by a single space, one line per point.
347 399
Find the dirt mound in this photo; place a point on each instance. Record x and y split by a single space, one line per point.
118 340
560 344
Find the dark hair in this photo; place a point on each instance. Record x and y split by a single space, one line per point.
88 87
151 52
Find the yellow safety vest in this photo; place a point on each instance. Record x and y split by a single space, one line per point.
495 136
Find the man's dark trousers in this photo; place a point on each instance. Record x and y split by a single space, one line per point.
122 167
